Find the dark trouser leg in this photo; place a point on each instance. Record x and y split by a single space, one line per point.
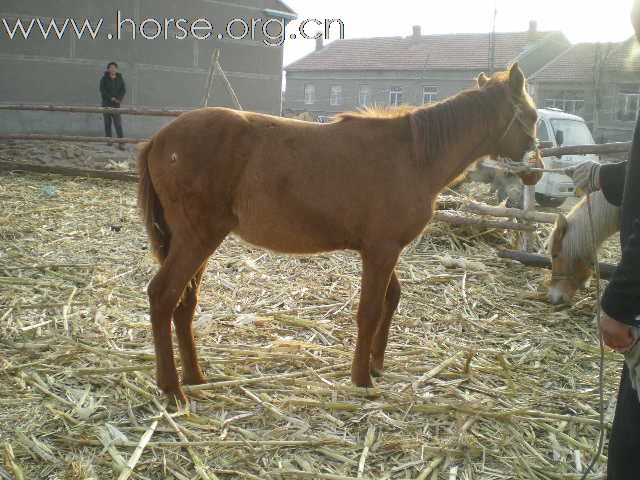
107 125
624 444
117 121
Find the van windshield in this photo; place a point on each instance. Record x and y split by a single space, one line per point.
574 132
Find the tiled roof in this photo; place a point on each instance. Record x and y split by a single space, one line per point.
283 6
577 63
626 57
433 52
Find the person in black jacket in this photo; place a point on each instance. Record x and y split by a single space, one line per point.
112 90
620 184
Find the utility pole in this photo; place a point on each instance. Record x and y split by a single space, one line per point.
492 41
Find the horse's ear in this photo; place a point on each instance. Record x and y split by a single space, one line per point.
482 80
516 80
561 225
557 235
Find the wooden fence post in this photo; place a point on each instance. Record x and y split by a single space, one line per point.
528 206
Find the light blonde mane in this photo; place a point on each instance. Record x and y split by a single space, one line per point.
378 111
577 241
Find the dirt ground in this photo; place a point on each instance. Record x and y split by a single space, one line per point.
484 379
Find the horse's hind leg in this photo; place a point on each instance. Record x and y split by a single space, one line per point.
379 346
165 290
182 320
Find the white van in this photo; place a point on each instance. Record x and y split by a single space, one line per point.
559 129
555 129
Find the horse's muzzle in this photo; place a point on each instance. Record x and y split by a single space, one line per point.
533 158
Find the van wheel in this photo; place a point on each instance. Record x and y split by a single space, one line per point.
547 201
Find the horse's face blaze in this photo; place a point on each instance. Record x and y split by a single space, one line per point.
561 287
519 141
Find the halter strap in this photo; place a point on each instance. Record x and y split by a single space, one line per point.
571 277
514 118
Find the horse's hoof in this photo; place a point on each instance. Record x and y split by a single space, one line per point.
370 393
177 399
193 380
366 382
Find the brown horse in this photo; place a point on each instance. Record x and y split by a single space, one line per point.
363 183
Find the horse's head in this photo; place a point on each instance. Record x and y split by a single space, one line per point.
568 272
517 117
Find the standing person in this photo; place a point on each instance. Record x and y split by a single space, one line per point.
112 90
621 300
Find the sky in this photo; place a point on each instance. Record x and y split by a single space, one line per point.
580 20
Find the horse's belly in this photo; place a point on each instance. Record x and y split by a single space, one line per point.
279 238
289 228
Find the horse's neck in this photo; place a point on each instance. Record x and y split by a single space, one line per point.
453 134
578 240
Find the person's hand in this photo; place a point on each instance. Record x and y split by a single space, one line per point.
617 335
586 176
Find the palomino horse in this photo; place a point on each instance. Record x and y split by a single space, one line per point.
571 245
363 183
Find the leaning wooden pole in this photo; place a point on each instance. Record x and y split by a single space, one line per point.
229 87
213 68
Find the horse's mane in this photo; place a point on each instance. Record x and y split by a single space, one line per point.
437 127
606 221
378 111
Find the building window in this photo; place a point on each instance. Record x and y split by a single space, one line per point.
628 106
429 95
570 102
335 96
395 96
364 96
309 94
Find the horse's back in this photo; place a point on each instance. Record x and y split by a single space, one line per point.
289 185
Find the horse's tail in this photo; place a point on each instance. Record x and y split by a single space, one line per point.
152 211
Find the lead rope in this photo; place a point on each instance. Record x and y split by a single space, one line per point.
596 268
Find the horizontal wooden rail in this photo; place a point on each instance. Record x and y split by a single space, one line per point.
542 261
145 112
532 216
615 147
454 219
69 171
69 138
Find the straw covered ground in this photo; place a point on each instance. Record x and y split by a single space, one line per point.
484 379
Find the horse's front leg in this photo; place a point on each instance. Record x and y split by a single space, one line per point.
379 346
377 267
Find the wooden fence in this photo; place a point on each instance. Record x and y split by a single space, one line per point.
522 220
